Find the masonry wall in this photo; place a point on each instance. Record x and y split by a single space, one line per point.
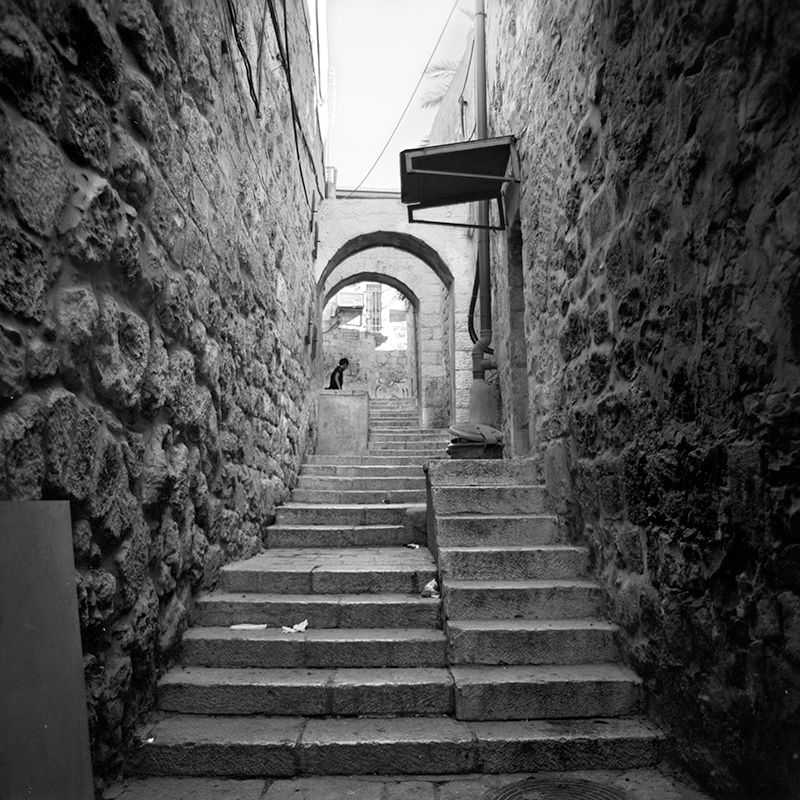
660 241
380 373
154 253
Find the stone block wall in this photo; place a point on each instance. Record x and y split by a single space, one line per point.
660 241
380 373
154 253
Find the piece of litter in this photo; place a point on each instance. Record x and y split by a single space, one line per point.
413 546
150 740
299 628
248 626
431 589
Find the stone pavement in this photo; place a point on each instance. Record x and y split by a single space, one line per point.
636 784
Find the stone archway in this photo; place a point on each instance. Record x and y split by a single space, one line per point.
430 335
389 373
350 228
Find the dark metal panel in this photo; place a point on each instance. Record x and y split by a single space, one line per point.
451 174
44 732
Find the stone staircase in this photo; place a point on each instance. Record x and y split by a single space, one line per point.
521 677
526 633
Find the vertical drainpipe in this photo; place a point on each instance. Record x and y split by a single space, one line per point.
482 404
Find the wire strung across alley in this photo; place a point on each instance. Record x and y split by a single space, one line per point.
408 104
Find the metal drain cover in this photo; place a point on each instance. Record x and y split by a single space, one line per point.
558 789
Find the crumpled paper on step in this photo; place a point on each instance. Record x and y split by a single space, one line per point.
299 628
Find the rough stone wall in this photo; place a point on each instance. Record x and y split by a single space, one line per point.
660 148
154 250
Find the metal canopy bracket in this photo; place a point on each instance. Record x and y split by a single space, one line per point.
452 174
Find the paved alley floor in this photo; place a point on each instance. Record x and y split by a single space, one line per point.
637 784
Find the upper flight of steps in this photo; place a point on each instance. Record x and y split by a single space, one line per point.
377 683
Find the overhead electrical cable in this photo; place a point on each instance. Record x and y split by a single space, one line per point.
408 104
283 54
247 67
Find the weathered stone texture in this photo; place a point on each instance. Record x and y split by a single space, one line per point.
659 223
150 370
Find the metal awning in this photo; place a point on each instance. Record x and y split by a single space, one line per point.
451 174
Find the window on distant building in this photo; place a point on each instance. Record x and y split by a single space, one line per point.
373 306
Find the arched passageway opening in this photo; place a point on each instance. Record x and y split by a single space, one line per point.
373 320
406 266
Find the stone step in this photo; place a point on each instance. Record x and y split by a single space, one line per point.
453 500
434 436
321 610
259 746
401 446
314 648
533 599
485 472
545 561
546 692
375 692
353 514
372 570
531 641
365 470
352 496
343 536
360 483
498 529
369 459
387 426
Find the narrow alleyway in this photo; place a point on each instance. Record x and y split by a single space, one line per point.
515 672
170 231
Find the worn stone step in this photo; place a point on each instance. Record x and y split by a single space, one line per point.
361 483
526 599
401 446
315 648
388 426
451 500
373 570
321 610
351 496
531 641
378 459
498 529
546 692
350 514
485 472
260 746
545 561
418 435
375 692
359 471
343 536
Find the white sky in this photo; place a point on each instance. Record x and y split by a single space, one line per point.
379 49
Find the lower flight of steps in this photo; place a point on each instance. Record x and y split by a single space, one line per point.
374 684
526 633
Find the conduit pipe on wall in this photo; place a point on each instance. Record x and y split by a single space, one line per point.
482 405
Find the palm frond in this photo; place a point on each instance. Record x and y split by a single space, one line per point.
441 69
432 99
